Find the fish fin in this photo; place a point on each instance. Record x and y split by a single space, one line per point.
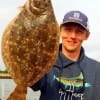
80 77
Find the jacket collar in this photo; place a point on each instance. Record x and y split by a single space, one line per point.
62 60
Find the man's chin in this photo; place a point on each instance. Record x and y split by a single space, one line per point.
71 49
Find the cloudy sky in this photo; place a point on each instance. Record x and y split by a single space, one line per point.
9 9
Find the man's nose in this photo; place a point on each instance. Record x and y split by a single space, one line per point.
73 34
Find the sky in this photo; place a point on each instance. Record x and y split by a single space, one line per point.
9 9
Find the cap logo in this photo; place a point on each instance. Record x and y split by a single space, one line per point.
76 15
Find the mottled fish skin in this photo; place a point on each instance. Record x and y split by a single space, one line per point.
30 42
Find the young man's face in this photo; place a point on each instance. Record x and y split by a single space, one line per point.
72 36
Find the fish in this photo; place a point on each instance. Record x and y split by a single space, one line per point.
76 81
30 45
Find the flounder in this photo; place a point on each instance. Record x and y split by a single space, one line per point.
30 45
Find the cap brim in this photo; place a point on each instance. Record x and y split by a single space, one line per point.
72 21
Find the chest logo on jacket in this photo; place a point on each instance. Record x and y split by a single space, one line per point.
71 87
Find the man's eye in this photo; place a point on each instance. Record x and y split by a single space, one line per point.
80 31
68 29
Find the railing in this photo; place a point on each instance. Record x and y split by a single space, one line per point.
5 75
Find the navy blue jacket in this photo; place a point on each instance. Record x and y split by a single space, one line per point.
71 80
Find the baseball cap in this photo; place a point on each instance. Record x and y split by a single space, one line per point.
76 17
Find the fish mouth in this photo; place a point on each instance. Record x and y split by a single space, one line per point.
37 6
32 8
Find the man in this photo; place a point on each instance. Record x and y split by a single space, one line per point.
74 76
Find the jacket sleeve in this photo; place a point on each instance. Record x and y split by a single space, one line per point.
96 92
39 85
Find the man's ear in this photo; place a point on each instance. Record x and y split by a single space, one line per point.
87 35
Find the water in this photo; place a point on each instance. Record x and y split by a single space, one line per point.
8 85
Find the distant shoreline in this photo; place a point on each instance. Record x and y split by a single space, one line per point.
5 76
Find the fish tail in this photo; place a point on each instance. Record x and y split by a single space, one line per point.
87 85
